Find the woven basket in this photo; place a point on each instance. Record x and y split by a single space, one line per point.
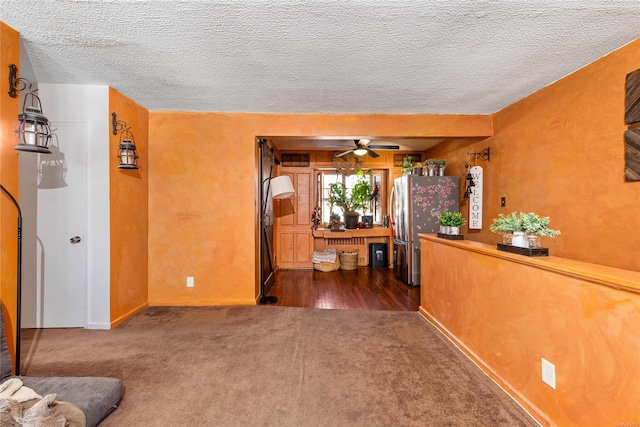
349 260
327 266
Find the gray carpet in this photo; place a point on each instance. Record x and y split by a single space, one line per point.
277 366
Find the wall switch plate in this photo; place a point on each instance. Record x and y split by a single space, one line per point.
548 373
503 201
190 282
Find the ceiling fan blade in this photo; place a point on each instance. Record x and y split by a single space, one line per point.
385 147
372 153
344 154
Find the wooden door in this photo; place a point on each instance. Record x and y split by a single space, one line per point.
304 248
287 208
303 198
286 248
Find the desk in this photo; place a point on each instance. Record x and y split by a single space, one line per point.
350 240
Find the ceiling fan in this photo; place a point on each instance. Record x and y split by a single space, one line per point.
362 147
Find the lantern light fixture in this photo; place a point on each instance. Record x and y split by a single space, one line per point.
33 130
127 147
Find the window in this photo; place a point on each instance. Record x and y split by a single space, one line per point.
325 178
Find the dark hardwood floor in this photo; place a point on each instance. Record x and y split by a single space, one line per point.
363 288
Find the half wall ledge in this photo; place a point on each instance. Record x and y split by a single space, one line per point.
616 278
507 312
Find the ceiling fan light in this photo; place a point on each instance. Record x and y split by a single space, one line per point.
360 151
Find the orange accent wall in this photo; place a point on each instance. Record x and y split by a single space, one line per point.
129 212
508 311
9 109
203 207
560 153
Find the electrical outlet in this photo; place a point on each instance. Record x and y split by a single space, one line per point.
548 373
190 282
503 201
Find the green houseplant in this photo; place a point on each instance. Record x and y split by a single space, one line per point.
361 193
450 222
534 224
407 166
523 229
362 196
506 224
338 197
432 167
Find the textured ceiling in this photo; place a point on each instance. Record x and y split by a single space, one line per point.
319 56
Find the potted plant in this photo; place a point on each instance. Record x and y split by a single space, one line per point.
362 196
334 222
417 168
338 197
523 229
432 167
440 164
407 165
536 227
450 222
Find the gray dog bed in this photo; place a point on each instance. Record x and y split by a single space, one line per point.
97 397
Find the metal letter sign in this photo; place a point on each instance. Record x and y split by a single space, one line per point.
475 200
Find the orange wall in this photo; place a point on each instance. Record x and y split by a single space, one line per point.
202 192
508 311
129 212
9 109
560 153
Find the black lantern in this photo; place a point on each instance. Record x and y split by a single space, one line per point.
33 130
127 148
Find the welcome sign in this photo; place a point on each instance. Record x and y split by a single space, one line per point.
475 199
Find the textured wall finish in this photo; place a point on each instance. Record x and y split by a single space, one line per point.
509 311
9 108
202 193
560 153
427 56
129 192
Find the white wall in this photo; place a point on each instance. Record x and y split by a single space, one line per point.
87 104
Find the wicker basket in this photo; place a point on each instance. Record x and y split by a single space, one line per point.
349 260
327 266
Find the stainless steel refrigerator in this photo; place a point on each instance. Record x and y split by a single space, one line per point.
415 204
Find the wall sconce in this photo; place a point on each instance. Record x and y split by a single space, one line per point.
33 131
484 154
127 148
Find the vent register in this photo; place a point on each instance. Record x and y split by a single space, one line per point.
296 160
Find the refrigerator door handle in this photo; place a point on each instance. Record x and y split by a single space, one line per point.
391 212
